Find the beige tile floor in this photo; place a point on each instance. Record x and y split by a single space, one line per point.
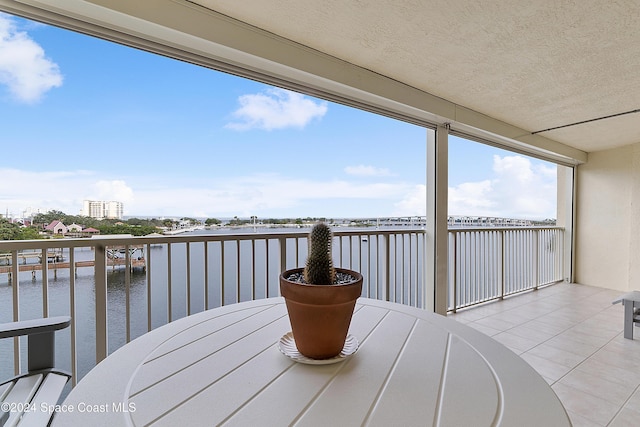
573 336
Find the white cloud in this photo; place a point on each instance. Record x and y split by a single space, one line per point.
24 68
53 190
362 170
517 188
276 109
414 203
113 190
269 195
471 198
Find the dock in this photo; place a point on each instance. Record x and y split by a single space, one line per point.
25 256
55 266
55 261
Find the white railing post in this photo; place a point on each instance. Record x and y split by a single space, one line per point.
283 253
206 274
454 267
147 260
387 268
15 288
72 309
127 296
45 282
536 260
169 306
100 263
238 267
222 273
188 260
503 276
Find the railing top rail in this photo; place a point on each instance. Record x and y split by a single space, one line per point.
164 239
6 245
502 228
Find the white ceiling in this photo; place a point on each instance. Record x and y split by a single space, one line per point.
533 64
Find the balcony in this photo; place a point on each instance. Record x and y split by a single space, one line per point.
173 276
571 334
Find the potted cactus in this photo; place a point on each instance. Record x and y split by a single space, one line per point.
320 298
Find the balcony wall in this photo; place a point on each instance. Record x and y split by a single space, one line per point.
608 219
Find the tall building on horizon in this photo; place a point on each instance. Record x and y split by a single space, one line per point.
100 209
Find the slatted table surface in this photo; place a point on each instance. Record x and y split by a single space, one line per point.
224 366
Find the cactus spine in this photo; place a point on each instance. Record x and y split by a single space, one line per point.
319 267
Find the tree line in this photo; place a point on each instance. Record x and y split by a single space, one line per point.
133 226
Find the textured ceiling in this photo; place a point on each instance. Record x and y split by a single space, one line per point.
543 64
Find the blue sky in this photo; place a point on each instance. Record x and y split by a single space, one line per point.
82 118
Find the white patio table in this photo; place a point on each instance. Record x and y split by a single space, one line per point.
224 366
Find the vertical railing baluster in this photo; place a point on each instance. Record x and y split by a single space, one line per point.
72 312
15 294
475 270
222 273
45 282
149 291
267 269
387 266
283 254
169 292
403 296
462 273
536 261
253 269
504 264
100 266
369 273
413 293
206 275
188 267
519 246
484 263
454 269
127 293
238 266
467 268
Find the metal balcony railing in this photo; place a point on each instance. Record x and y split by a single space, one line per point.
117 288
487 264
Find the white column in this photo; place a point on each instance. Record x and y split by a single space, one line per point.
436 253
566 216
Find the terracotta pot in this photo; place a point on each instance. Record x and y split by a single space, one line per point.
320 315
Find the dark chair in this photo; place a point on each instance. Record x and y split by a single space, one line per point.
27 397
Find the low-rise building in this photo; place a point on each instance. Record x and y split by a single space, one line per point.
56 227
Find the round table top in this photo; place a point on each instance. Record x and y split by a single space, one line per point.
224 365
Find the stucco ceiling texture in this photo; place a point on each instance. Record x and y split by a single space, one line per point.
535 64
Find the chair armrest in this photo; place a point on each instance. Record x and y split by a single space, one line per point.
41 339
35 326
